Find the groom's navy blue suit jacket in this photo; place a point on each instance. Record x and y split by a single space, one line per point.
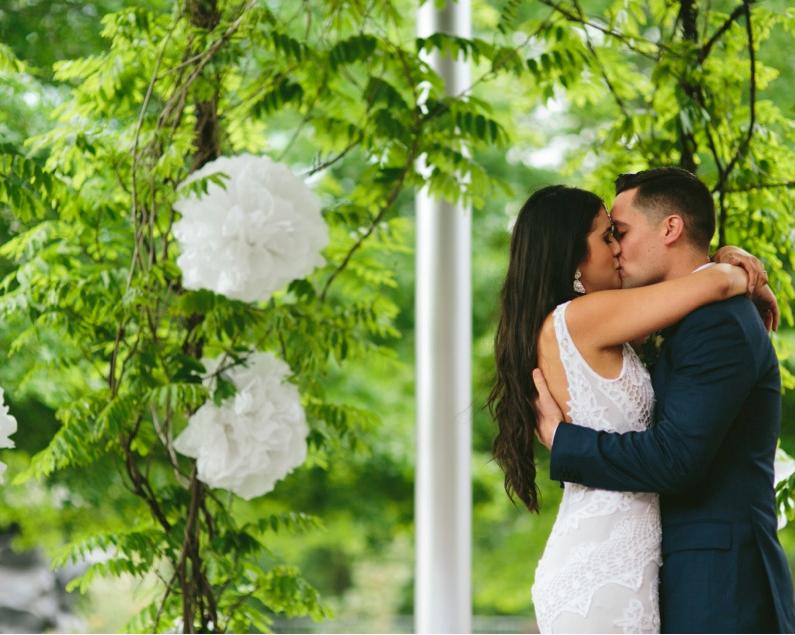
710 455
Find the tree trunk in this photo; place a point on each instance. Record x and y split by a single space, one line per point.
204 14
688 13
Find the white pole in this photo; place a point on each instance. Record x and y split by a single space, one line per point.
443 326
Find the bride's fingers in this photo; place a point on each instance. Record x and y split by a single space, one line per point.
751 275
771 304
757 277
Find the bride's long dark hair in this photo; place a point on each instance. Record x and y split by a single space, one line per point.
549 241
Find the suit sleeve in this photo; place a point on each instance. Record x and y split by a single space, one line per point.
712 376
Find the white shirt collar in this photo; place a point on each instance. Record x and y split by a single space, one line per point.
704 266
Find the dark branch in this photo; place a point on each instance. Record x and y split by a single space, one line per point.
713 148
615 34
722 216
603 72
376 220
329 162
142 487
760 186
707 48
743 147
688 16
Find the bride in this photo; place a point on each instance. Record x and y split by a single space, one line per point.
599 570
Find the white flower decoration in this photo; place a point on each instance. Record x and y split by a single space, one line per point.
8 426
252 439
252 238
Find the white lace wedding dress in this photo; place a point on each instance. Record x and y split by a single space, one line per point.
599 571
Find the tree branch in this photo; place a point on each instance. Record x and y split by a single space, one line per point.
688 16
743 147
615 34
329 162
141 486
603 71
760 186
377 219
707 48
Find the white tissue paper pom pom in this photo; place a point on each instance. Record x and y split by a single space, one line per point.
252 238
8 426
252 439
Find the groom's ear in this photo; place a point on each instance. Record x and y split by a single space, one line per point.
674 229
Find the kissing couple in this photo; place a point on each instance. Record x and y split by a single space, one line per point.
668 517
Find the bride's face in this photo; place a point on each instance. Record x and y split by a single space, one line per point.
600 267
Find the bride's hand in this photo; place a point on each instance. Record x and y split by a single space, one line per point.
767 306
757 276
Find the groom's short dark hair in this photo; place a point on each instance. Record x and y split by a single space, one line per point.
663 191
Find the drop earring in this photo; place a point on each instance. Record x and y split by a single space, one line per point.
578 282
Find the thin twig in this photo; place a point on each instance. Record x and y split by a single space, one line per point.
162 606
707 48
376 220
141 485
760 186
615 34
713 148
722 215
610 87
204 59
751 98
113 357
298 130
328 163
137 138
162 431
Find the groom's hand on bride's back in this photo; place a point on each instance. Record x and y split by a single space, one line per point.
548 413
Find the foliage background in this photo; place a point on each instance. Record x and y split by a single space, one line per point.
574 116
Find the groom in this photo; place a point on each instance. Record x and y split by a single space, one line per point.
717 420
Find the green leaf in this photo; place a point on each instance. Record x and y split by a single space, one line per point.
353 49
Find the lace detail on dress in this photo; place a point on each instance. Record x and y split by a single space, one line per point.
600 565
635 615
580 503
620 557
591 395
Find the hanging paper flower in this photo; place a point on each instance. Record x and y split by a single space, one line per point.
8 426
252 439
252 236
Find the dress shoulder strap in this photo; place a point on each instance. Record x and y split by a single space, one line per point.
568 352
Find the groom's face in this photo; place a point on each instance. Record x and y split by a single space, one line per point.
642 248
